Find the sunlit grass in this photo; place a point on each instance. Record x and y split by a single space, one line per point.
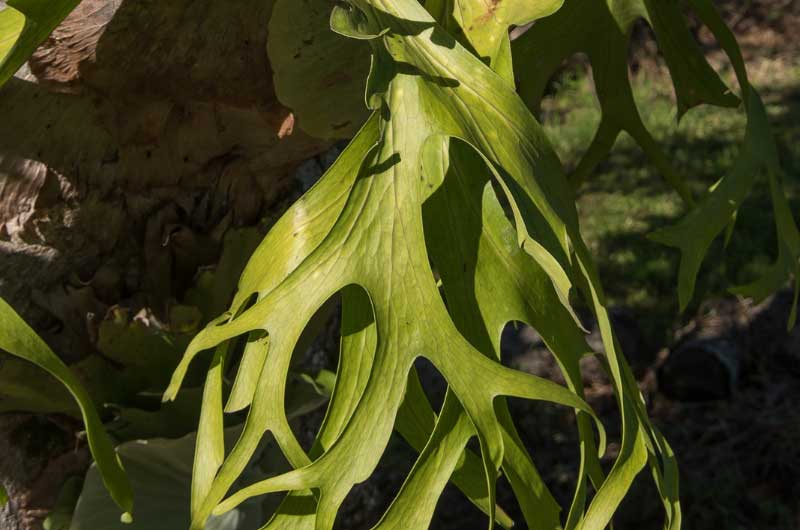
626 199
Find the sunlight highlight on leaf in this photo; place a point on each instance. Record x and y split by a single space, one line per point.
24 24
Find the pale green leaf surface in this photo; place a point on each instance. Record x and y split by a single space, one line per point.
426 87
415 419
210 444
547 170
485 25
473 245
296 234
410 191
11 24
24 24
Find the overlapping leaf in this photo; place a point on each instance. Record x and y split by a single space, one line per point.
758 156
17 338
443 123
160 471
602 31
412 189
317 73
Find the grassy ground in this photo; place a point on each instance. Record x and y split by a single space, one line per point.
737 455
626 199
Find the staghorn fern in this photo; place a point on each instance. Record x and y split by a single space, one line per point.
602 30
415 187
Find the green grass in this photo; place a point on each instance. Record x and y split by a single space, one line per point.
626 199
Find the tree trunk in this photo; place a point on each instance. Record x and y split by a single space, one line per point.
137 135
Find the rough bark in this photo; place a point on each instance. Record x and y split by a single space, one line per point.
138 133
